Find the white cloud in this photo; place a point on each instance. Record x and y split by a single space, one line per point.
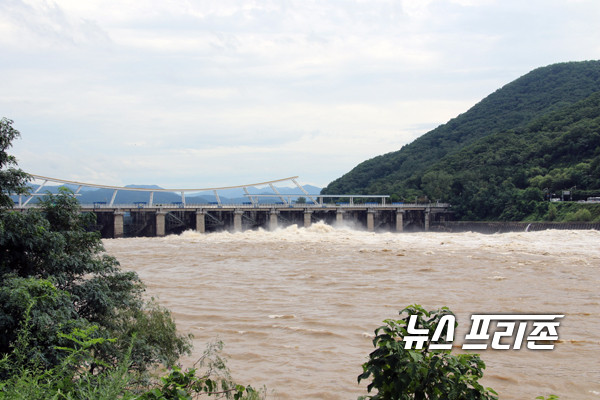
154 92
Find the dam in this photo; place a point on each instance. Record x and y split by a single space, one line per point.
143 220
267 209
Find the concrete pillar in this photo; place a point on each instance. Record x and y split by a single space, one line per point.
160 223
426 220
237 220
200 221
307 218
118 224
370 220
339 217
399 221
273 220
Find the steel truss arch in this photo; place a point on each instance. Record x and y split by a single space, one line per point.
151 191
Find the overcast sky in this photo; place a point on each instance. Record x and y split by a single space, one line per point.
188 94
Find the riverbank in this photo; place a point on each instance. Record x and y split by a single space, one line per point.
509 226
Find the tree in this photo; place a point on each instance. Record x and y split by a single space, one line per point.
72 324
437 184
51 245
54 244
399 373
12 180
36 311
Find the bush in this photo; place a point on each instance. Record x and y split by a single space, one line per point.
53 244
581 215
404 374
36 307
213 380
552 213
55 271
72 378
72 324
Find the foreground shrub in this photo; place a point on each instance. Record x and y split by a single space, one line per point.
405 374
53 244
210 377
73 378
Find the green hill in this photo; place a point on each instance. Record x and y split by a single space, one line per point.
536 135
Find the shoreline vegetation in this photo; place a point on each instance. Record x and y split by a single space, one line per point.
73 325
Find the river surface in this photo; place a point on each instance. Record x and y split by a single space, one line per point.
296 308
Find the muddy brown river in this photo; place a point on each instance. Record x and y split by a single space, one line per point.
296 308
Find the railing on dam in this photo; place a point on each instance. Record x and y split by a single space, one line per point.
299 206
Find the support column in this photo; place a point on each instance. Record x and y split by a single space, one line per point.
273 220
237 220
339 217
399 221
118 224
160 223
370 220
200 222
307 218
427 212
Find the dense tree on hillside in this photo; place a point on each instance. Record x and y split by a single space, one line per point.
506 174
536 135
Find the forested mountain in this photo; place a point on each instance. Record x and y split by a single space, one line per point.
536 135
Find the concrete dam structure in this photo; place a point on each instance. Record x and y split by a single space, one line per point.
115 222
146 218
